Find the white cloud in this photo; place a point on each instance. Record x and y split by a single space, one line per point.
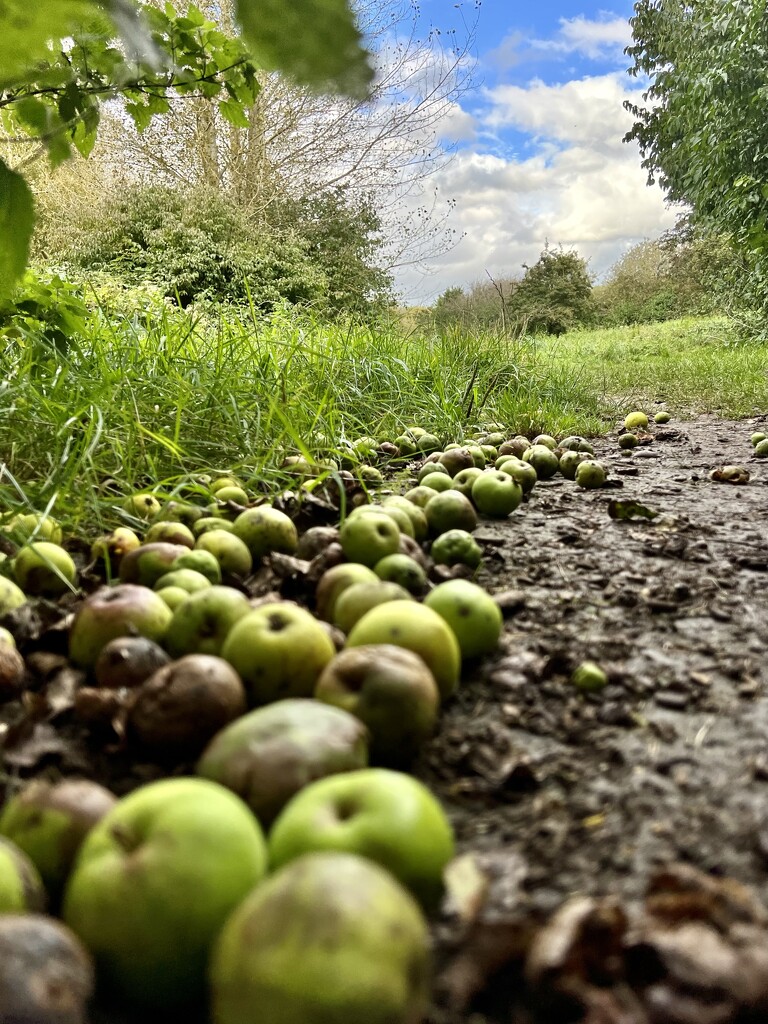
593 39
577 184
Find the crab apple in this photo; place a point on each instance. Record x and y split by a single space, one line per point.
202 623
543 460
496 493
269 754
11 596
35 525
635 419
45 569
384 815
403 570
145 564
456 547
264 529
123 610
143 506
230 552
279 649
330 939
418 629
367 539
450 510
154 882
111 547
21 887
171 533
358 599
391 691
472 614
335 581
590 474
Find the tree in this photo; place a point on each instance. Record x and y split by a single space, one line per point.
701 126
53 92
555 294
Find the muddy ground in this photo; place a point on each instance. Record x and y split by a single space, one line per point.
604 838
556 795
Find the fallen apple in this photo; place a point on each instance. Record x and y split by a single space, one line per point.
202 623
635 419
230 552
142 506
543 460
128 660
330 939
391 690
21 887
145 564
456 547
188 580
201 561
472 614
123 610
588 676
11 596
154 882
264 529
368 538
358 599
45 569
170 532
384 815
335 581
450 510
403 570
496 493
662 417
590 474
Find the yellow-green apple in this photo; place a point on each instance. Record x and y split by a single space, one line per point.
230 552
590 474
335 581
368 538
522 471
570 460
543 460
279 649
154 882
35 526
417 628
207 523
269 754
45 569
358 599
472 614
143 506
201 624
437 481
635 419
414 513
12 596
456 547
384 815
432 467
201 561
463 481
188 579
450 510
545 439
403 570
50 820
391 691
399 515
110 547
330 939
123 610
171 532
21 887
148 562
496 493
264 529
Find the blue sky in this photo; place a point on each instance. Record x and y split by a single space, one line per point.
538 139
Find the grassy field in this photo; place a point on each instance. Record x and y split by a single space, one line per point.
148 402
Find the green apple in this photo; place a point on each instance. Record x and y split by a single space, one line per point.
418 629
589 677
123 610
523 472
463 481
230 552
279 649
110 547
761 449
571 443
146 564
181 706
7 639
406 446
11 596
391 691
757 438
142 506
173 596
330 939
180 512
403 570
496 493
201 561
547 440
456 547
456 459
154 882
335 581
35 526
269 754
368 538
221 482
570 461
232 493
202 623
414 513
171 532
590 474
355 601
635 420
21 887
384 815
478 456
207 523
543 460
49 822
437 481
419 496
472 614
428 443
399 515
450 510
264 529
662 417
627 440
45 569
187 579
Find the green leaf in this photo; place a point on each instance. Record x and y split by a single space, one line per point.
316 42
17 217
25 29
630 510
233 112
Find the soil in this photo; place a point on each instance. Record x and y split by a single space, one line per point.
613 844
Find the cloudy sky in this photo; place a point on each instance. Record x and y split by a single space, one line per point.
539 152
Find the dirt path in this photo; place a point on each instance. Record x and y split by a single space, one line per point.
555 793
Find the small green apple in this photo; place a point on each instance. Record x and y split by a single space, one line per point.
35 526
201 561
662 417
368 538
590 474
21 887
571 443
142 506
207 523
403 570
384 815
269 754
417 628
49 822
428 443
201 624
335 581
264 529
232 493
450 510
463 481
110 547
472 614
155 880
627 440
437 481
414 513
570 460
456 547
146 564
757 438
634 420
419 496
496 493
543 460
432 467
171 532
279 649
123 610
11 596
355 601
588 676
523 472
761 449
44 569
399 515
547 440
230 552
391 691
173 596
187 579
330 939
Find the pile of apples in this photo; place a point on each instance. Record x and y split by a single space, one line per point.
286 877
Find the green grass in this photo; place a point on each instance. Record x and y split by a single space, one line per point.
149 403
